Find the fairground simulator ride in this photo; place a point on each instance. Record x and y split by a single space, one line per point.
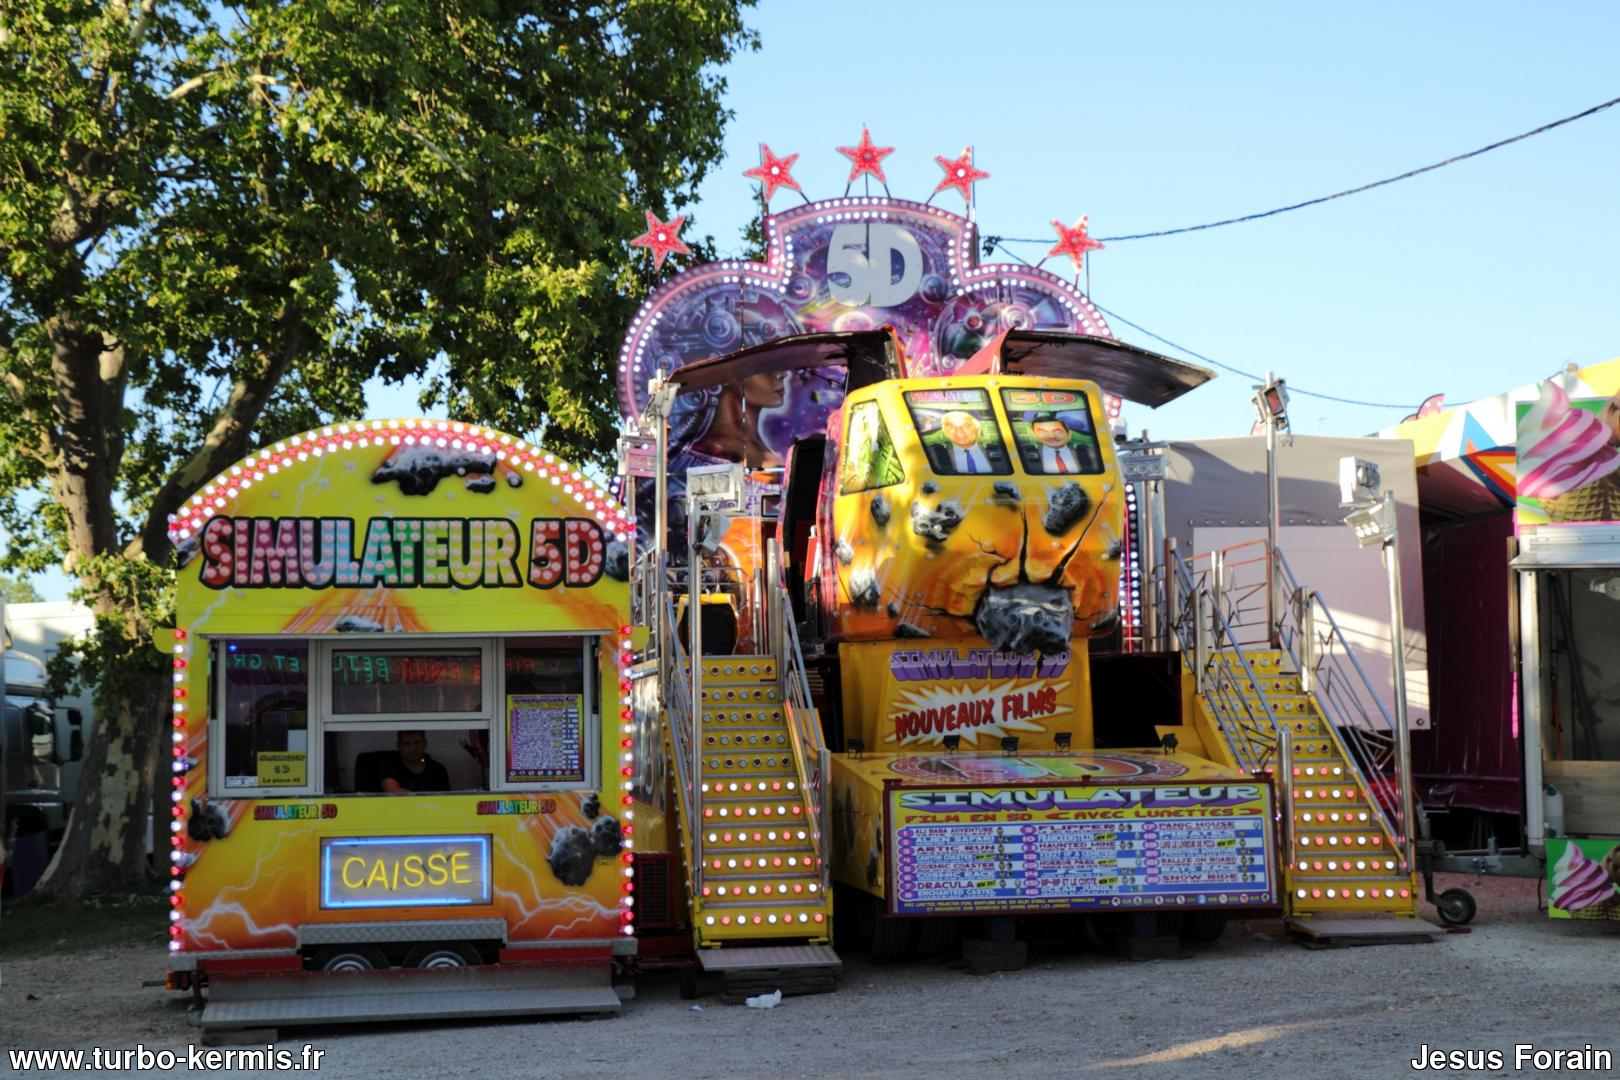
881 610
913 641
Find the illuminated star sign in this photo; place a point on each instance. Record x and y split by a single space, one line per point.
663 238
773 172
866 158
960 174
1074 242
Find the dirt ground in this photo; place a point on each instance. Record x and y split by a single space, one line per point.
1251 1005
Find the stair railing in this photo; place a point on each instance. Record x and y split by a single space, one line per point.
810 754
1350 703
1220 666
679 715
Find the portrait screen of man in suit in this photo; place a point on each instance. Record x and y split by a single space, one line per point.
1053 431
959 432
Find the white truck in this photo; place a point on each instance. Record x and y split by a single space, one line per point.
41 746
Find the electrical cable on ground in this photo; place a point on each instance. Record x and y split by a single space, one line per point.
1339 194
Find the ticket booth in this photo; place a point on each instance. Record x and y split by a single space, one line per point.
401 773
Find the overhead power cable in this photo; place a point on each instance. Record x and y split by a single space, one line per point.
991 243
1340 194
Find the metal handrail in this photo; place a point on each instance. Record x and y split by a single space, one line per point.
810 754
1226 660
1318 646
1321 653
677 701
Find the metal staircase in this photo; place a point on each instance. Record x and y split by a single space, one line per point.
760 846
1292 701
749 765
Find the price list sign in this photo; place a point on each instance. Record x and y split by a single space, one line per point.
544 739
1146 851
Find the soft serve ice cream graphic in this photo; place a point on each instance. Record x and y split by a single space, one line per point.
1566 461
1581 885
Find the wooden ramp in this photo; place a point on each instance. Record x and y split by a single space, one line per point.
317 998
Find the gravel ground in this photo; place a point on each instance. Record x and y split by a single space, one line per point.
1250 1005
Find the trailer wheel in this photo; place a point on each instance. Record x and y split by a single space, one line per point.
935 937
1203 927
886 938
348 958
438 955
1456 907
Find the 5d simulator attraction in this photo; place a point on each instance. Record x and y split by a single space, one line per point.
888 631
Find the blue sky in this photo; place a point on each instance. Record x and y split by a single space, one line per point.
1468 281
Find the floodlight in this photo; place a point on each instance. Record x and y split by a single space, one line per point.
952 742
1009 744
1271 403
1359 481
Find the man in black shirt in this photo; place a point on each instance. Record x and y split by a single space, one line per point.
412 770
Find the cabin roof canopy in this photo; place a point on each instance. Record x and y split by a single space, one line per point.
1129 371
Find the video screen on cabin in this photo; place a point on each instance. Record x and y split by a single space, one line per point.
1053 431
959 432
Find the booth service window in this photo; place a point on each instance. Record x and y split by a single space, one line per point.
378 717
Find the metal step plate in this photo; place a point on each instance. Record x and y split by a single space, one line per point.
750 958
359 997
1373 930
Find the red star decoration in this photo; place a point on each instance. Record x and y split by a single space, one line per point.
1074 242
663 237
960 174
773 172
867 158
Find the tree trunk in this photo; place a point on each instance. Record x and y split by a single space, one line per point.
105 846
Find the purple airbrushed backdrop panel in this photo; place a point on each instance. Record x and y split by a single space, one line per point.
838 264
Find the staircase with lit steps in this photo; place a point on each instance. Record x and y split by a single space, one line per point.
1341 858
759 906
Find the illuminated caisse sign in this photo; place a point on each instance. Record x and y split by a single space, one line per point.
404 871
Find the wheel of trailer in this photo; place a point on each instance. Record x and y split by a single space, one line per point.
1456 907
438 955
935 937
884 936
1202 927
348 958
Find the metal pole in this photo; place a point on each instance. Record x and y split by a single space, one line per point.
1273 521
656 396
1146 544
1397 641
1172 597
694 628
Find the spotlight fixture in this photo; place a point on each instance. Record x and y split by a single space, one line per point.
952 743
1063 739
856 747
1169 742
1009 744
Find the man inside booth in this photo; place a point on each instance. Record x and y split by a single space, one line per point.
412 771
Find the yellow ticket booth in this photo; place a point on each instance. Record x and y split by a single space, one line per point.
402 752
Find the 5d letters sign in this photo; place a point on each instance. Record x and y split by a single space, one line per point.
405 871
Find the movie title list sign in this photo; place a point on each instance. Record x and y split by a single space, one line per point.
1056 849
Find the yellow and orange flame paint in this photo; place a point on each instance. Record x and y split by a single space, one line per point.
254 887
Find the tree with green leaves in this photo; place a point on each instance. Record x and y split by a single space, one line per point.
217 221
18 590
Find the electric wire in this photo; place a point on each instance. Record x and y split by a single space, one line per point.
1583 114
992 243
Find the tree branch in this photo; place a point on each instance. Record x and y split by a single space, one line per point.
226 440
